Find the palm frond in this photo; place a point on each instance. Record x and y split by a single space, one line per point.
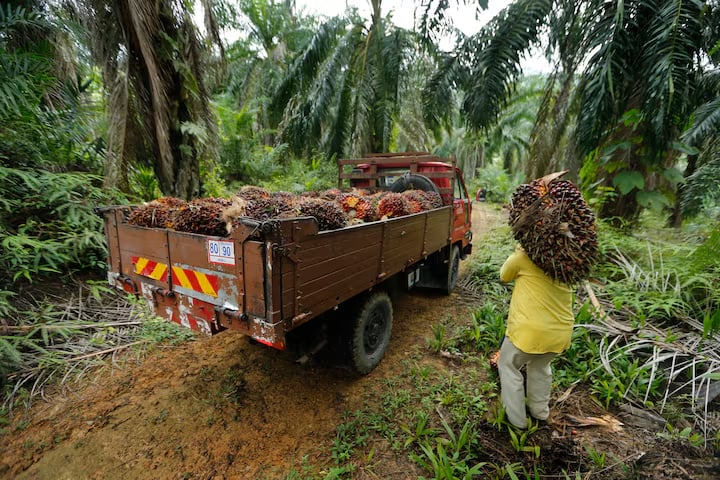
338 129
497 64
667 61
14 18
608 71
702 185
304 68
439 92
706 122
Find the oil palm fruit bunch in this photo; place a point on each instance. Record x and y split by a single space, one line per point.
330 194
265 208
203 216
416 201
155 214
329 215
250 192
555 227
421 200
393 205
356 206
433 199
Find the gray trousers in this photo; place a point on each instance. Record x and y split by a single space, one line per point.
512 388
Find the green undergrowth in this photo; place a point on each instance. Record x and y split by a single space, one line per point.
441 419
52 340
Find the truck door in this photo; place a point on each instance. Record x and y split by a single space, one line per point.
461 211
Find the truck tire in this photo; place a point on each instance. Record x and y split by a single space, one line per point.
369 332
453 270
413 181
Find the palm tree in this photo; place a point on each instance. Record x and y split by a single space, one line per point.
638 62
342 92
703 162
258 61
151 58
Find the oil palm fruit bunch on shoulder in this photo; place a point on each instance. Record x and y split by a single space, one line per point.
157 213
556 228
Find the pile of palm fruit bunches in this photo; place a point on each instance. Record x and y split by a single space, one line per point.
555 227
333 209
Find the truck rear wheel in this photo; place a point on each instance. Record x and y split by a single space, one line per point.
369 332
453 270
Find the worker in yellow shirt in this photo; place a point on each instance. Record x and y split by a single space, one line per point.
539 327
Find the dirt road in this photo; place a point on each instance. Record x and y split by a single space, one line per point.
219 407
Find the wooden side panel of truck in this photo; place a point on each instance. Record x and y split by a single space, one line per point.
267 278
271 285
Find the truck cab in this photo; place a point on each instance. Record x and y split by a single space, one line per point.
402 171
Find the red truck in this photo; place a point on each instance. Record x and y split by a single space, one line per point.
266 279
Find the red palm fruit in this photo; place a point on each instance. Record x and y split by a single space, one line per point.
417 200
355 206
393 205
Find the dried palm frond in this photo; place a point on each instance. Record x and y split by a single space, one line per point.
79 330
687 360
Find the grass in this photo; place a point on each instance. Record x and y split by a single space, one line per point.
651 340
637 347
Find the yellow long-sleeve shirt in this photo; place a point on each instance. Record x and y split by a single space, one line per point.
540 318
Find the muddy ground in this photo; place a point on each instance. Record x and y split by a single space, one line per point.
222 407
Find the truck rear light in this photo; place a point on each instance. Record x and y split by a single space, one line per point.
279 345
127 284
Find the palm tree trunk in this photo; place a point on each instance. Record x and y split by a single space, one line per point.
550 126
116 161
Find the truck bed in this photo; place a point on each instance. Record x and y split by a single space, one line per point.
265 279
